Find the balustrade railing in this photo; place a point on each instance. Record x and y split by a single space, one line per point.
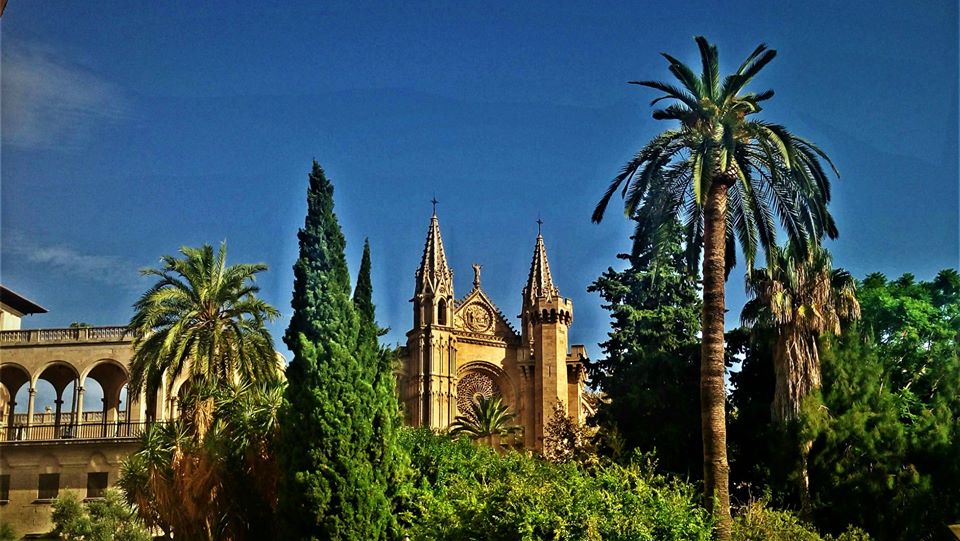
66 418
71 334
82 431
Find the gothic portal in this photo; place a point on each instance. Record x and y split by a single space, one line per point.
466 348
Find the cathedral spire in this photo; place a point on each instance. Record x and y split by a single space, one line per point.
540 281
434 273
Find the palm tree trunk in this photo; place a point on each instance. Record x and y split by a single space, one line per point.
716 471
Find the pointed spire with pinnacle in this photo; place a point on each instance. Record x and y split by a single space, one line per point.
540 281
434 271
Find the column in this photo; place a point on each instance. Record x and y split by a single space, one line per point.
56 417
78 411
13 407
30 403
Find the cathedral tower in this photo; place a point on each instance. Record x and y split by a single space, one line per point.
430 395
545 318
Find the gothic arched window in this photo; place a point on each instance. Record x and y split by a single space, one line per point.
442 312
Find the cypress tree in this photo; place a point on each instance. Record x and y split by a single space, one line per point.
384 447
329 488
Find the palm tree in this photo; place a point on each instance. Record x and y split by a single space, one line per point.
802 298
487 420
202 318
222 487
728 177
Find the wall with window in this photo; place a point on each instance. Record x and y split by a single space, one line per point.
31 476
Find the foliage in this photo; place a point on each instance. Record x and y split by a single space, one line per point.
385 453
802 298
763 455
915 325
460 491
333 483
8 532
223 486
884 458
650 370
202 318
884 428
766 169
757 522
728 175
107 519
488 418
564 439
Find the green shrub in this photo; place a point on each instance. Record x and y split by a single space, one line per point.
757 522
460 491
7 532
106 519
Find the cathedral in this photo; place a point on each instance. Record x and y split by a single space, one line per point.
459 350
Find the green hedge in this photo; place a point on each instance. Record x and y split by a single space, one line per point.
465 492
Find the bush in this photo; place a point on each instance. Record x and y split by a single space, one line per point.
458 490
757 522
7 532
107 519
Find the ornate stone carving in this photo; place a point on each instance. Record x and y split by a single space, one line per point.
472 386
478 318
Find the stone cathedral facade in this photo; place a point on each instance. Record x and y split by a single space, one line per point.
460 349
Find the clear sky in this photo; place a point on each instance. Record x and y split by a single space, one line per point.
130 129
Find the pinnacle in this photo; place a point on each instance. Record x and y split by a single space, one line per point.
540 281
434 271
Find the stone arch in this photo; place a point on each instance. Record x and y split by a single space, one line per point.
111 376
101 363
12 378
61 375
59 370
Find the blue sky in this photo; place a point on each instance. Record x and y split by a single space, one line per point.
131 129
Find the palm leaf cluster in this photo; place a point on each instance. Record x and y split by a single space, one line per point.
221 487
487 416
201 319
771 173
802 297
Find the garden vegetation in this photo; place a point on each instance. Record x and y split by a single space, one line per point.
842 421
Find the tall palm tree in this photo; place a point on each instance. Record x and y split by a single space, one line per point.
487 420
728 177
202 318
802 298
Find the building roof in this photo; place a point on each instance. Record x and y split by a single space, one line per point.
19 302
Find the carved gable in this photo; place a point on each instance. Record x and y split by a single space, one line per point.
477 315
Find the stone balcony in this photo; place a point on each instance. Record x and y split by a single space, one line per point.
66 432
64 336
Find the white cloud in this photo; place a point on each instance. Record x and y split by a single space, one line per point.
62 260
49 103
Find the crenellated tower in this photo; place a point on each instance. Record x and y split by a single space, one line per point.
546 317
430 391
